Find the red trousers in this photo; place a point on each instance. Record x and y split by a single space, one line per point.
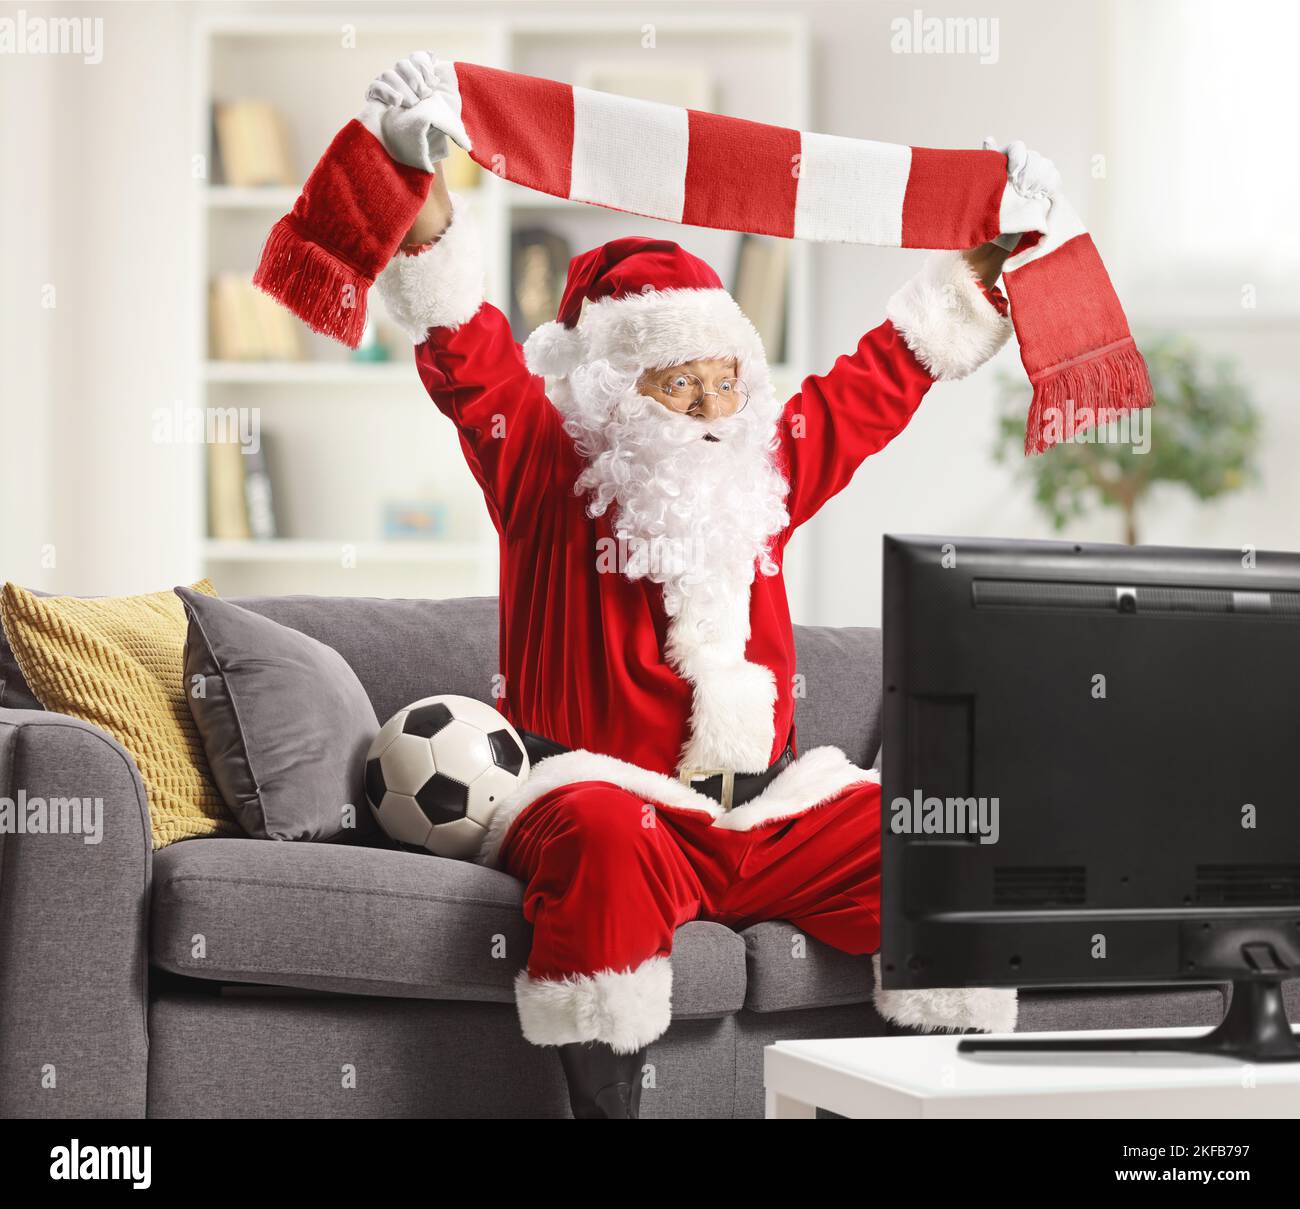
609 878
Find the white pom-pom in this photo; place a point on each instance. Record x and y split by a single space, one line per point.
553 350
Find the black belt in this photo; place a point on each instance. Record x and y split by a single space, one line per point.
720 784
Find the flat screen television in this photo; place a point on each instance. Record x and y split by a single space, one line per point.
1091 775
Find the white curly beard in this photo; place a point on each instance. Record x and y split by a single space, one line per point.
694 514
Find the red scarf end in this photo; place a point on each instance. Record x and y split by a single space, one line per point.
1086 392
328 295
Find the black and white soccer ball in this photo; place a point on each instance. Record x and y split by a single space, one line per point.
437 771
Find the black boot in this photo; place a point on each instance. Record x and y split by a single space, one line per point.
603 1085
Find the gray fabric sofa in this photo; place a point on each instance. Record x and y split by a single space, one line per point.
242 977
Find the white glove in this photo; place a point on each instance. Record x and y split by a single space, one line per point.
1030 174
1034 178
409 82
414 109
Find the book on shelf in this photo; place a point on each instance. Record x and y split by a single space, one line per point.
762 288
241 501
227 507
252 146
259 499
247 325
539 260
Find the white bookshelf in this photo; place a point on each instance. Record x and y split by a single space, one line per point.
344 437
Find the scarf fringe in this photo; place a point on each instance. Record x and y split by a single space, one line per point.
1092 390
326 293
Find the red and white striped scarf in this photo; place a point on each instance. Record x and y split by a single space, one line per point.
705 170
702 169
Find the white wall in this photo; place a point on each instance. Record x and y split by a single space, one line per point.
1054 85
102 208
101 211
26 193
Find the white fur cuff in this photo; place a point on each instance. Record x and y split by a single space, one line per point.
955 1009
625 1011
441 287
945 319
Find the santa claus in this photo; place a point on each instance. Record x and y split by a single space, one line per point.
644 480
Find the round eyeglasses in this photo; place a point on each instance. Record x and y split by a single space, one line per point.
685 393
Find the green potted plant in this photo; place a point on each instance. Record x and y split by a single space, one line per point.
1202 433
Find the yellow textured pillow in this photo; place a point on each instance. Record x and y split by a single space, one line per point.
118 663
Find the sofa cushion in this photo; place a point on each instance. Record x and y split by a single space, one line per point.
284 721
1172 1006
838 702
401 650
787 969
369 921
116 663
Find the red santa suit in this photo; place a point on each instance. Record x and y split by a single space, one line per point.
614 849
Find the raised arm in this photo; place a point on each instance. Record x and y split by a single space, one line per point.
941 326
469 361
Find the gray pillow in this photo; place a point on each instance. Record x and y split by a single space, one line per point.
284 722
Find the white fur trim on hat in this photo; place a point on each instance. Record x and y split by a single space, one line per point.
625 1010
952 1009
946 320
553 350
440 287
654 330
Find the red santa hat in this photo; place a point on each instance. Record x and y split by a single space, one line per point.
642 304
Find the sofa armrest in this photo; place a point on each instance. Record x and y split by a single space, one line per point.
73 922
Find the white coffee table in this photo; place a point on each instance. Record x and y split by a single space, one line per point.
925 1077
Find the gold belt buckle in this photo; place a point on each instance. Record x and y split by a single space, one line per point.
728 775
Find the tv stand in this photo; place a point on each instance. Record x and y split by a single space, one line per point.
1255 1029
